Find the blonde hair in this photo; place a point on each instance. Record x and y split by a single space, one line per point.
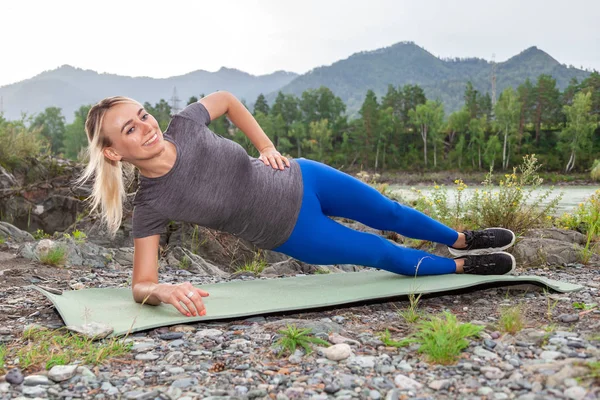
109 188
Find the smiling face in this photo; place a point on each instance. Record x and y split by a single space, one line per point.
133 133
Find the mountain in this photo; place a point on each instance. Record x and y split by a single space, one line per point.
406 63
69 88
400 64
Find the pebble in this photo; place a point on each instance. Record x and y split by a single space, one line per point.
566 318
60 373
337 352
404 382
550 355
575 393
14 376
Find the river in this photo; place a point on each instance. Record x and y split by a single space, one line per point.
572 195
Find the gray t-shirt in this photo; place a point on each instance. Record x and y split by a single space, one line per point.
216 184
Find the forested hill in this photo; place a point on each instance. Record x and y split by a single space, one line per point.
69 88
406 63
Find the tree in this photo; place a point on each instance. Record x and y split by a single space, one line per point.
525 93
370 117
52 125
507 118
547 103
580 125
192 100
261 105
428 118
477 131
161 112
75 138
320 137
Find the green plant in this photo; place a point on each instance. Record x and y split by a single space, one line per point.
2 240
583 306
550 305
322 271
185 263
442 338
294 337
40 234
45 347
512 204
54 256
256 266
511 319
386 338
594 372
2 356
79 236
411 314
595 173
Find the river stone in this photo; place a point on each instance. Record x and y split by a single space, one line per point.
566 318
481 352
209 333
362 361
14 376
492 372
550 355
337 352
93 330
60 373
34 380
440 384
34 391
403 382
575 393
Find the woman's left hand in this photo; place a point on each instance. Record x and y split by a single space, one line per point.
270 156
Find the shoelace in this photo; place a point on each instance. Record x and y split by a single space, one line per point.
481 239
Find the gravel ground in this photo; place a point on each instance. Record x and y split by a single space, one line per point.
238 359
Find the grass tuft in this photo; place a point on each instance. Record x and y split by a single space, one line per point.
386 338
45 348
294 337
55 256
442 338
511 319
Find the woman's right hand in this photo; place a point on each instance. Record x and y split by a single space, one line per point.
186 298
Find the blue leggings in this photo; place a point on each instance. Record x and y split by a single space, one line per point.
318 239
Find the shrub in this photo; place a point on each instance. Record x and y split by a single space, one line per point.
19 143
55 256
511 204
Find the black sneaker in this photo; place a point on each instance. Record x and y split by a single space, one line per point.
485 241
500 263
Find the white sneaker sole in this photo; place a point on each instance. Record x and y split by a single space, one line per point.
458 253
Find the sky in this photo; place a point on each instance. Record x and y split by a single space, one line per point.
173 37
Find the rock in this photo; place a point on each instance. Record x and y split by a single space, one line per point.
93 330
483 353
485 390
566 372
337 352
209 333
288 267
7 180
14 376
34 380
549 355
575 393
8 231
492 372
552 252
60 373
336 338
566 318
440 384
362 361
34 391
170 335
403 382
197 265
124 256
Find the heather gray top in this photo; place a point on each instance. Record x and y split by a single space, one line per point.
216 184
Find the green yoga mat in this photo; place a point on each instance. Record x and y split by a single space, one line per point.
116 307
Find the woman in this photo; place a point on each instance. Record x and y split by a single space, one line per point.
191 174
